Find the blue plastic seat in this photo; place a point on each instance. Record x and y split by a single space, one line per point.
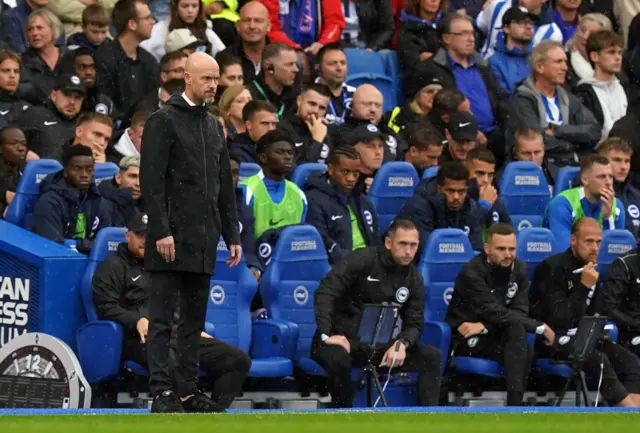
361 61
382 82
303 171
392 66
535 245
248 169
104 171
20 211
392 186
525 193
298 264
614 243
564 179
430 172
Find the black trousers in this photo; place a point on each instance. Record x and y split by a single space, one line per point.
620 367
193 290
337 363
508 346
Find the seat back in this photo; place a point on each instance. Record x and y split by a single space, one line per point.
382 82
248 169
303 171
229 306
104 171
446 251
393 185
361 61
525 193
392 66
106 243
564 179
298 264
20 211
430 172
534 245
614 244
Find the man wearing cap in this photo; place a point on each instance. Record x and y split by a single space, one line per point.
510 60
368 141
460 131
49 127
121 288
422 92
123 191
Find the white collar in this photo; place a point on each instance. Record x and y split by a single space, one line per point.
189 101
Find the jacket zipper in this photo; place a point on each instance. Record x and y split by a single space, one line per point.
206 188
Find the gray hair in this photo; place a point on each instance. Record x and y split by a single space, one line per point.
129 161
541 51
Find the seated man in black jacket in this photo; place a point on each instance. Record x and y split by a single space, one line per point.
121 293
338 207
259 117
489 310
563 290
375 275
123 191
13 152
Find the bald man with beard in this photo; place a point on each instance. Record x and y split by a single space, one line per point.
186 179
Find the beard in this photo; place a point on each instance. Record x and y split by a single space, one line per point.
522 41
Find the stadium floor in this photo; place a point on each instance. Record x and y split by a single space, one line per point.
440 420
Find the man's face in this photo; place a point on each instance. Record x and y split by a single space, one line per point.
585 244
345 173
312 106
204 83
461 40
135 243
422 159
144 22
235 172
620 164
130 178
14 146
67 103
425 97
135 135
554 67
176 70
79 172
254 23
9 76
609 59
459 149
597 179
95 34
455 193
367 105
571 5
521 31
482 172
333 70
95 135
371 155
278 158
530 150
261 123
231 76
285 68
403 245
501 250
85 69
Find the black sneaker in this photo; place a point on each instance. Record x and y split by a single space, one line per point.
202 404
167 402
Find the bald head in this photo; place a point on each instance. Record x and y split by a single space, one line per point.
201 75
585 223
367 103
254 23
586 236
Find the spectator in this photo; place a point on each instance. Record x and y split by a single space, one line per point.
461 132
232 103
121 289
253 27
528 146
186 15
299 29
275 82
127 73
418 36
95 28
123 192
13 148
569 129
489 308
332 71
94 130
578 63
307 128
417 108
84 67
230 73
11 104
51 126
259 118
595 199
445 103
367 140
172 66
509 61
223 16
275 201
338 207
368 25
130 142
566 17
627 129
70 206
424 147
13 24
603 94
42 61
168 88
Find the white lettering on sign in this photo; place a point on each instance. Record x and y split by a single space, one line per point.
113 245
451 248
527 180
303 246
222 246
618 248
539 247
14 305
400 181
39 177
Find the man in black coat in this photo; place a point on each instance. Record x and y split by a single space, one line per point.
375 275
190 200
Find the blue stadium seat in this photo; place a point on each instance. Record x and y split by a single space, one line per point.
392 186
269 342
20 211
383 83
564 179
525 192
248 169
361 61
534 245
614 244
298 264
302 172
430 172
392 67
104 171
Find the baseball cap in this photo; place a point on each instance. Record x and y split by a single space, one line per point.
138 223
69 83
179 39
518 14
363 133
462 126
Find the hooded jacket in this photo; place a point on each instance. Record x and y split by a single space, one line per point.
56 212
122 203
414 37
36 78
187 186
306 148
328 212
12 106
621 300
510 66
578 134
606 100
124 146
244 148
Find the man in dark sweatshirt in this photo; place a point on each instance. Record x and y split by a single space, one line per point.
260 117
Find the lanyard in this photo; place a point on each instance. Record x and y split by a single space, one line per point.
547 108
332 109
263 93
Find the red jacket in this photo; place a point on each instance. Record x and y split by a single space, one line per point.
396 6
329 26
